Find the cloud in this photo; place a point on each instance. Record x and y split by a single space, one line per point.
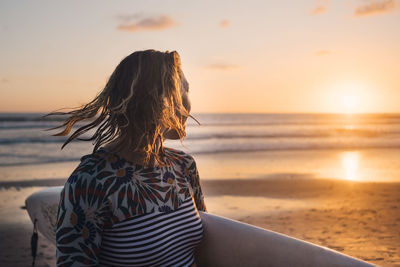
319 10
221 66
4 80
225 23
321 7
323 52
375 8
136 22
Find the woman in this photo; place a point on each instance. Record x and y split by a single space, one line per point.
132 202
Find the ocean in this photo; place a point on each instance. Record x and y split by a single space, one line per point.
292 138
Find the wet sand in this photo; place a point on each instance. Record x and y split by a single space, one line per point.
16 231
359 219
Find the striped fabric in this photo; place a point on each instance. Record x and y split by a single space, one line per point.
154 239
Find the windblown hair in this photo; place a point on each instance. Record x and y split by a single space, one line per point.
140 101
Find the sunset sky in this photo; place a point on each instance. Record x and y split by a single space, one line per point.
239 56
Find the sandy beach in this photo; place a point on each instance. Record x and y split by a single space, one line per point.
16 231
359 219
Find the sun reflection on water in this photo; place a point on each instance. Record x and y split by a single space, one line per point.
349 127
350 161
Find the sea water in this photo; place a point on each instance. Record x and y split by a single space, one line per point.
348 146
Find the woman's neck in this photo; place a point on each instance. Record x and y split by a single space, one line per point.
134 157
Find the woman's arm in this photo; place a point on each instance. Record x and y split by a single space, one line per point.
82 213
197 191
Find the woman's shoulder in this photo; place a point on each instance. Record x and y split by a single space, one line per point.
91 168
185 162
178 156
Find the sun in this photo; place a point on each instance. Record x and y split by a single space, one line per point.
349 97
349 103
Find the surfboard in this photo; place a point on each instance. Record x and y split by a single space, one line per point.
226 242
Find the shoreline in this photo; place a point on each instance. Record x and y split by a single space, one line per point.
367 164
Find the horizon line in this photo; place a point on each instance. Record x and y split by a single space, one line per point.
239 113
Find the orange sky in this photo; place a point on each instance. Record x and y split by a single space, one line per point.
250 56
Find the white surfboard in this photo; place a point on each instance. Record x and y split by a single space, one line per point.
226 242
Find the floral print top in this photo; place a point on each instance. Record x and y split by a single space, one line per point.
106 189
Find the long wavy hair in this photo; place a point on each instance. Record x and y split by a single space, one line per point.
141 100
